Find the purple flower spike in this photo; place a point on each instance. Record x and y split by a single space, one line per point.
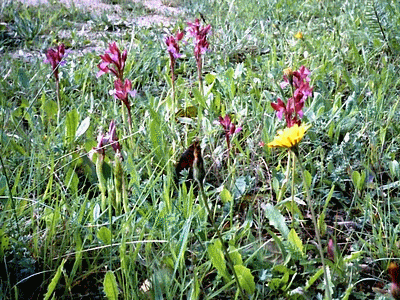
293 109
123 90
55 58
173 46
113 61
200 34
229 128
110 138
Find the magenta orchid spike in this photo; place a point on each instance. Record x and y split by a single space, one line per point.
301 90
55 58
229 128
173 46
173 49
201 45
122 91
113 61
200 34
110 138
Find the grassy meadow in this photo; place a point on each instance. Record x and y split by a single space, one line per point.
93 202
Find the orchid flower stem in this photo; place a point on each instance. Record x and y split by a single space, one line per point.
293 173
127 119
283 188
314 220
173 82
199 70
58 101
224 249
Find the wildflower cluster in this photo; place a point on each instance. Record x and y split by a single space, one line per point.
199 34
301 90
55 58
173 47
113 61
110 138
201 45
229 127
292 110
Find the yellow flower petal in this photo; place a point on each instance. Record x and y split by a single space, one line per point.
289 137
299 35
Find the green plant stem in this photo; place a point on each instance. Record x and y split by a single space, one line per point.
293 173
224 249
58 101
199 68
129 122
282 189
173 84
314 220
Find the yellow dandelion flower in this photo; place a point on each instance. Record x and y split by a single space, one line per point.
299 35
289 137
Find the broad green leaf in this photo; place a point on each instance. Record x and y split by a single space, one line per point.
55 280
246 279
355 177
23 78
4 243
71 181
235 256
199 98
276 219
157 139
71 124
96 212
348 292
295 241
3 185
110 286
16 180
307 178
217 258
321 224
394 168
330 283
104 234
329 197
313 278
209 78
82 127
353 256
225 196
50 108
195 290
240 187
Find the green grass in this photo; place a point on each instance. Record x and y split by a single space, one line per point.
55 235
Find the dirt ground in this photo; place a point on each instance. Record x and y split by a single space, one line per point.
164 11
